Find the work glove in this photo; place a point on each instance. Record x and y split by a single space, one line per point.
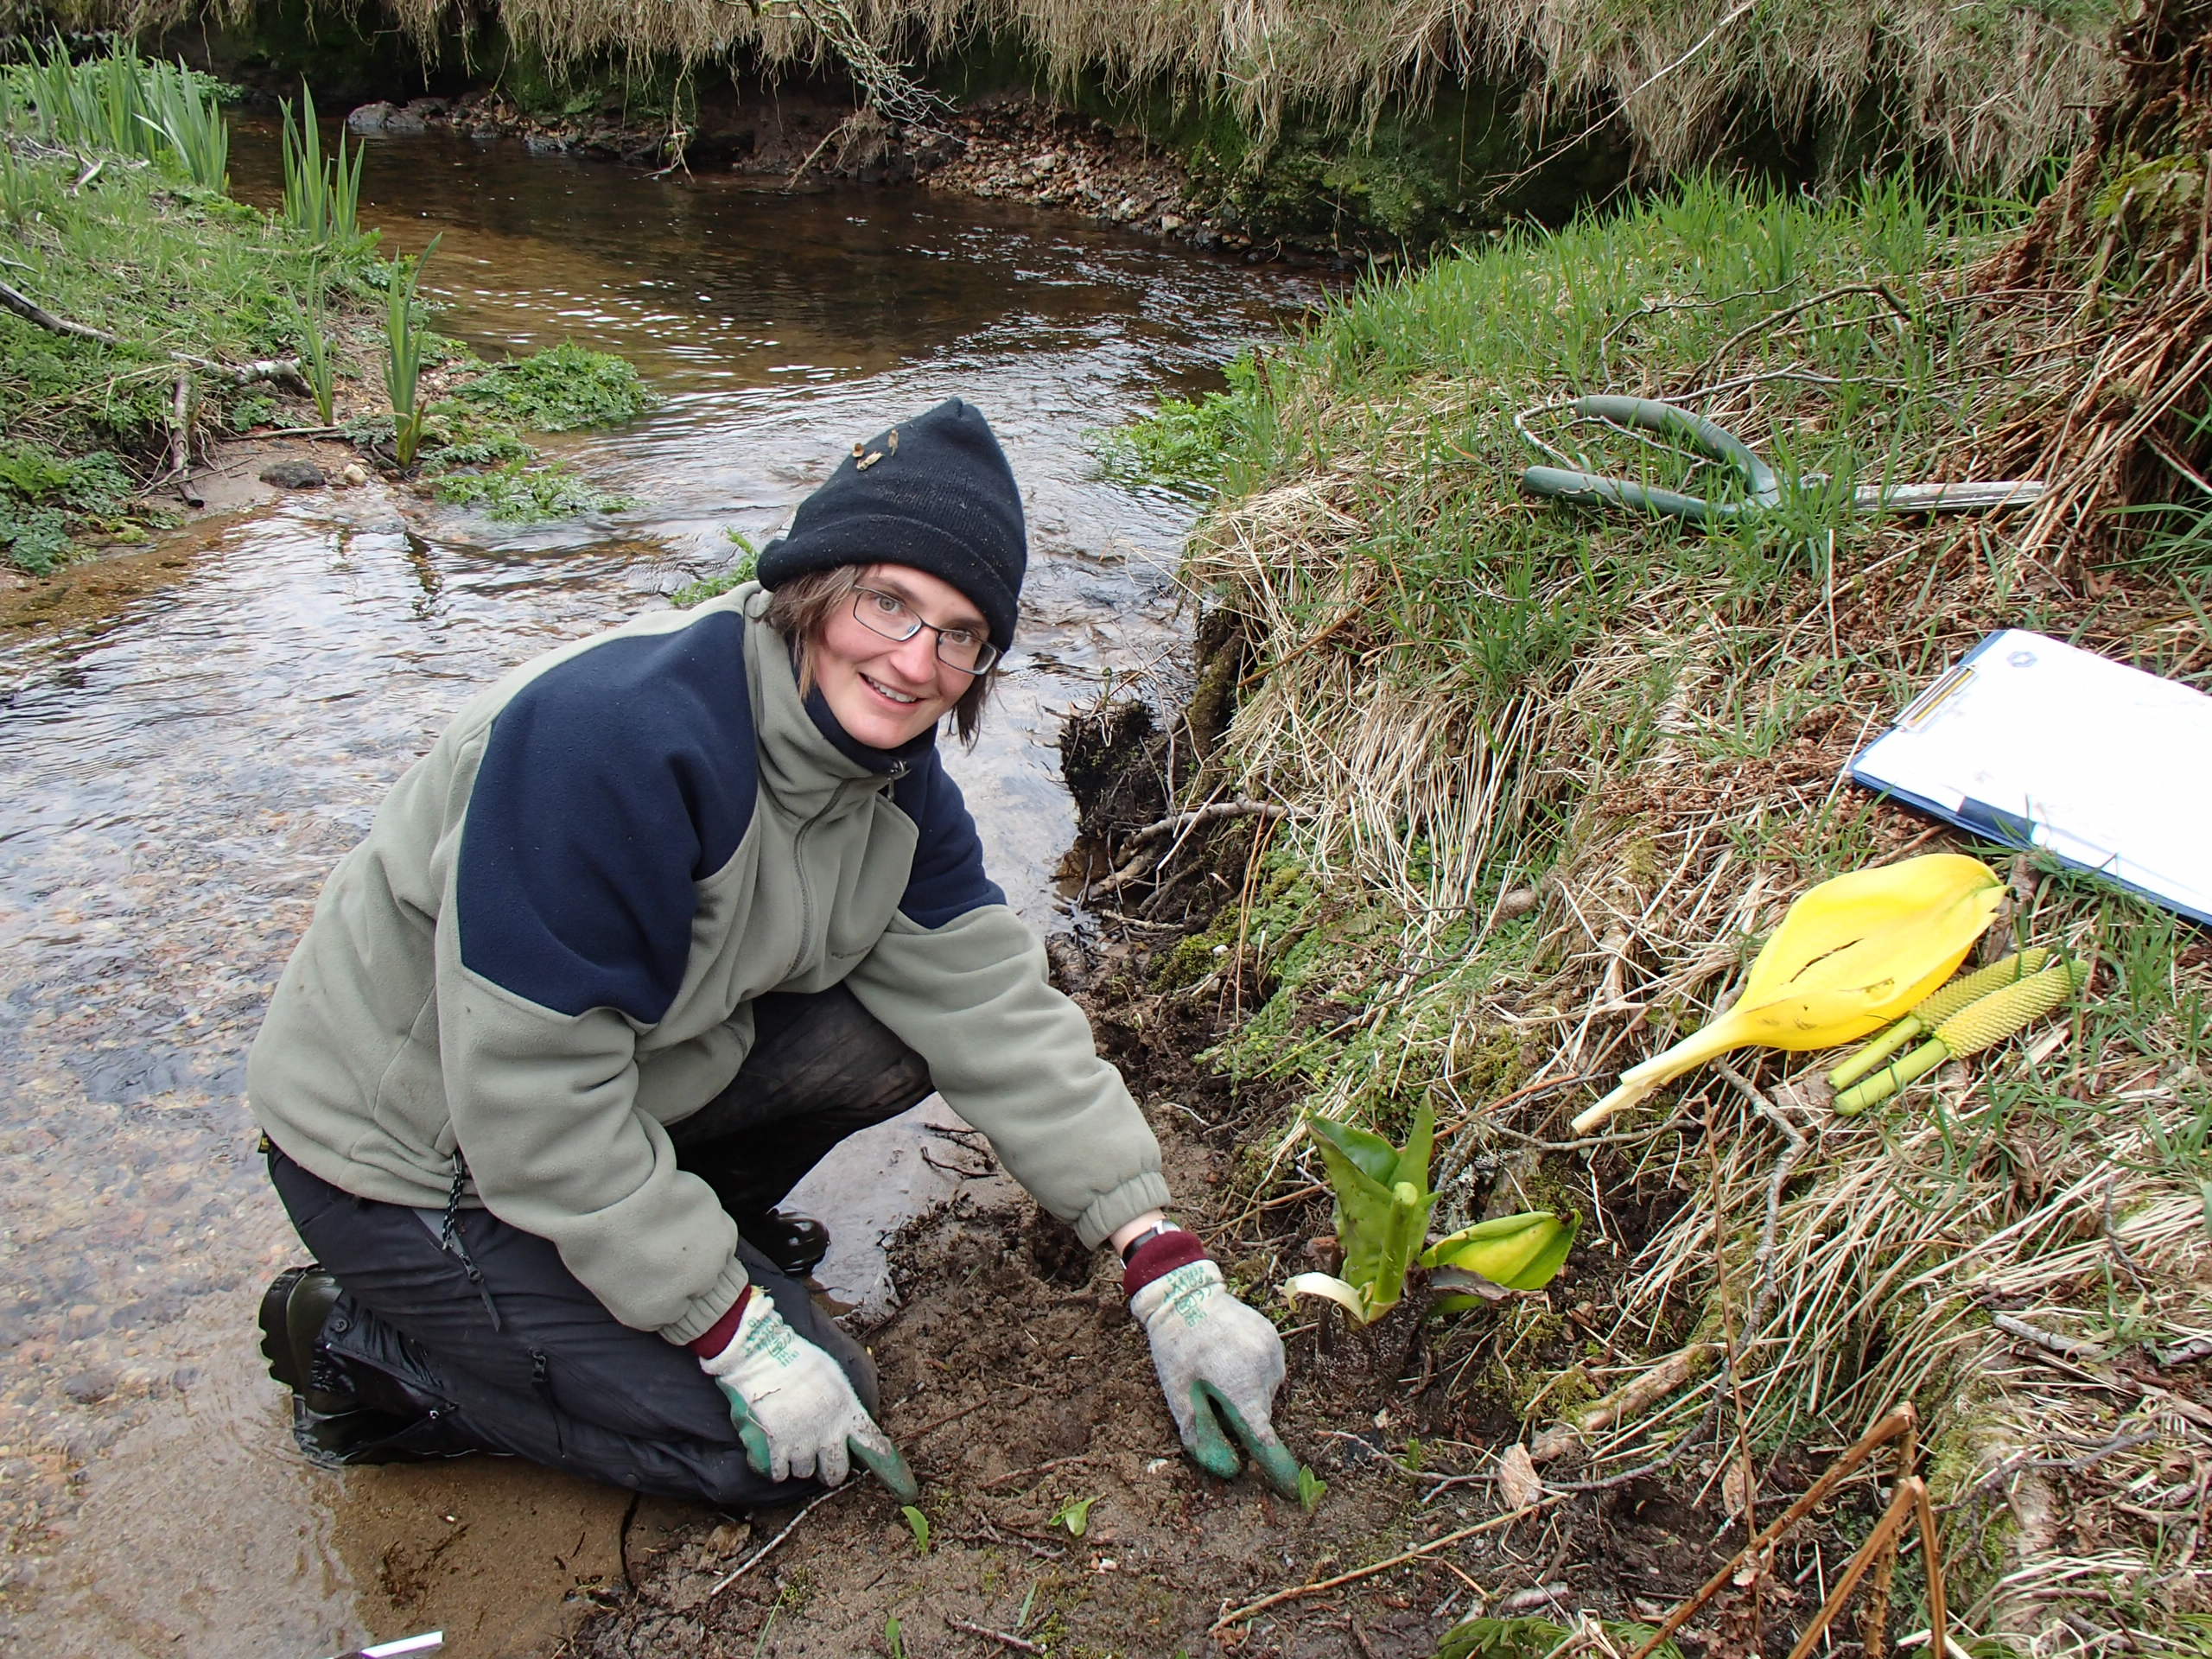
1219 1362
795 1408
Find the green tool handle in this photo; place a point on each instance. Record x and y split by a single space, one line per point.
1715 440
1593 490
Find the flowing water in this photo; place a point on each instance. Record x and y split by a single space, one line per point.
188 754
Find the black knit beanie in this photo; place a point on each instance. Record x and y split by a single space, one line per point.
935 493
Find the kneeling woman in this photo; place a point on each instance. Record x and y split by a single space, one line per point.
664 915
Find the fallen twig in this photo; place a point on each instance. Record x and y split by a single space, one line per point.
1298 1593
243 374
1013 1475
953 1417
761 1553
1140 844
1005 1637
1637 1396
2049 1341
1903 1421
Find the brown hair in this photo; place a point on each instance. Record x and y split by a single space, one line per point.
801 608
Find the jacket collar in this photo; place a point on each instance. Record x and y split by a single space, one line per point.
806 756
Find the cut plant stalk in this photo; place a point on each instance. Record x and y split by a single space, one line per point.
1851 956
1928 1015
1982 1024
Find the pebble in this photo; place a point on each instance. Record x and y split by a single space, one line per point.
89 1388
293 475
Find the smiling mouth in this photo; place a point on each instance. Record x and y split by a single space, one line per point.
878 687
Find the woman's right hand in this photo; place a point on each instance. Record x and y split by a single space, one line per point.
795 1408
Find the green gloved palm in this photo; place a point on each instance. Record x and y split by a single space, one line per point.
1219 1364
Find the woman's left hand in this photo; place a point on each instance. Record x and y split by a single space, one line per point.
1220 1363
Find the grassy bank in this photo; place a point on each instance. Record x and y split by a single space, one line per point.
1551 775
150 315
1372 118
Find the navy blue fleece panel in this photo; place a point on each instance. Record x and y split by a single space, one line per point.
610 783
948 879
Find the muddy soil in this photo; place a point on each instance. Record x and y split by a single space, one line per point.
1061 1516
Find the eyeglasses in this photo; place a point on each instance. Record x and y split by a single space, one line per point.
891 617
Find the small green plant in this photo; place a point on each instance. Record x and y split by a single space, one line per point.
1383 1201
892 1639
1180 447
1523 1252
43 497
1075 1516
315 363
741 571
404 341
516 491
1311 1486
321 197
563 388
918 1524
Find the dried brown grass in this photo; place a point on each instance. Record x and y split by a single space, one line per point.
1983 90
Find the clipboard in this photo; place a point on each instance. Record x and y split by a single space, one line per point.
2038 744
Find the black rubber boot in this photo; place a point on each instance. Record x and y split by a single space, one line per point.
340 1416
794 1242
293 1310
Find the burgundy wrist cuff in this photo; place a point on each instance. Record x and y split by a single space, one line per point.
723 1331
1161 1256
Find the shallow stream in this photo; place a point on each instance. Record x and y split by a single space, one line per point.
202 730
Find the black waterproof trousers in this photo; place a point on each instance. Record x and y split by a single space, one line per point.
515 1355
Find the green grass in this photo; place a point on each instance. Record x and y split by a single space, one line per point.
163 262
523 491
120 104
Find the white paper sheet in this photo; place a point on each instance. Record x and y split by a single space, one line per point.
2036 742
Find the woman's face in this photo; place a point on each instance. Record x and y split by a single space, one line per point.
885 692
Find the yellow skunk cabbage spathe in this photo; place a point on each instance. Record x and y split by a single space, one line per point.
1850 956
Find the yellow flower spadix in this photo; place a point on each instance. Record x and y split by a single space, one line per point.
1850 956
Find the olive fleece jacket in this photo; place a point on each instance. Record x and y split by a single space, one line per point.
546 950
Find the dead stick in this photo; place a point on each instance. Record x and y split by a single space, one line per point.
1006 1637
272 368
1880 1542
1654 1385
1901 1420
1034 1469
761 1553
1300 1592
1199 815
1931 1554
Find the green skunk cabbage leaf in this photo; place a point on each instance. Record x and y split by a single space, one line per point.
1382 1204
